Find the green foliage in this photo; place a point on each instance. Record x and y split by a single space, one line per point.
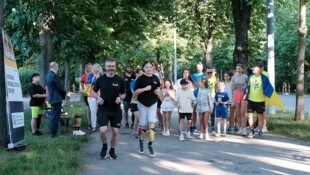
283 124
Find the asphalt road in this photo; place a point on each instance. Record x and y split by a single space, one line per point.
225 155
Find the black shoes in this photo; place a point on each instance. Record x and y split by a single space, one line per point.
127 125
141 146
152 154
112 154
103 153
37 133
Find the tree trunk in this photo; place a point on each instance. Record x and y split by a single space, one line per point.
46 45
207 48
241 14
299 111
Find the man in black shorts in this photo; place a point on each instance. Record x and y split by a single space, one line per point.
111 91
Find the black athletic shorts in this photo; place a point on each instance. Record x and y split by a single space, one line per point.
187 115
259 107
134 107
104 117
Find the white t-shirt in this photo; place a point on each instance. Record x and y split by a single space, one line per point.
185 99
177 85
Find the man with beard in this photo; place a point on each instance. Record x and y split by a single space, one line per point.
111 91
128 77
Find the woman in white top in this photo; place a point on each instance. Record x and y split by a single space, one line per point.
167 106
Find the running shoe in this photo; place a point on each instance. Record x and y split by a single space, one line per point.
188 135
201 136
127 125
112 154
265 129
151 151
134 135
213 133
131 126
244 132
239 132
218 134
78 133
207 137
252 134
260 135
103 153
224 134
181 137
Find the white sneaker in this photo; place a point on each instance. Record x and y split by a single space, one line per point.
78 133
168 133
218 134
181 137
207 137
213 133
265 129
188 135
239 132
244 132
201 136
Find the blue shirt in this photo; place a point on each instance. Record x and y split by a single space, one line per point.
221 97
196 78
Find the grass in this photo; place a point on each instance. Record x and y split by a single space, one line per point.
283 124
44 155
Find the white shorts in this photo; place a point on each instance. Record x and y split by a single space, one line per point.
167 106
147 114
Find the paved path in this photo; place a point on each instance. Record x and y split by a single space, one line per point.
229 155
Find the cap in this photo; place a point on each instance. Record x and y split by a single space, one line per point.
184 81
258 64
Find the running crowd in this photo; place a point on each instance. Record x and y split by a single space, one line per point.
152 99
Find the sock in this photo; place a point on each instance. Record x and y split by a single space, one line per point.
152 134
143 134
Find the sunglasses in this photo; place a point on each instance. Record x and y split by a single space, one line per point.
209 72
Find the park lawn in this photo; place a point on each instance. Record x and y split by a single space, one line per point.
44 155
282 123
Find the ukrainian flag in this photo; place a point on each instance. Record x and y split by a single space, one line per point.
274 100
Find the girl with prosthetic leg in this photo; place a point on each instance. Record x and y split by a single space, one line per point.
146 89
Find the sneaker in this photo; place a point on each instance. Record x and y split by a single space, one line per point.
93 129
151 151
244 132
131 126
252 134
188 135
265 129
230 131
213 133
260 135
207 137
163 133
224 134
191 130
89 127
141 151
239 132
218 134
134 135
201 136
103 153
127 125
181 137
167 133
194 129
78 133
112 154
256 129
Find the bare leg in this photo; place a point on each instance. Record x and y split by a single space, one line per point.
115 135
238 113
181 126
232 116
159 116
136 122
201 122
244 106
260 121
250 116
168 118
33 125
164 124
103 134
206 119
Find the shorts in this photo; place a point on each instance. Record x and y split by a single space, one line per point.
86 101
126 105
238 96
104 117
221 114
147 114
36 111
167 106
187 115
133 107
259 107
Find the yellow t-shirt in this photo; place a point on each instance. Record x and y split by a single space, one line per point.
211 85
256 89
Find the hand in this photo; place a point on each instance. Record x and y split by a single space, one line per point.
118 100
100 100
147 88
157 91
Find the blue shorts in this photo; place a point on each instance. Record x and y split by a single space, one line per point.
221 114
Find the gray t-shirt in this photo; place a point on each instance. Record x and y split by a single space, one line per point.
239 81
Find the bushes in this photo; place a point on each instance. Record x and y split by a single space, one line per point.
25 79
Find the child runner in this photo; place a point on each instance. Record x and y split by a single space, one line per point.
167 106
185 101
204 107
221 101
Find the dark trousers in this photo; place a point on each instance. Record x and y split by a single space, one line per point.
213 118
55 118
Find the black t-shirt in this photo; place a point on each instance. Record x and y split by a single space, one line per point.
36 89
127 80
147 98
110 88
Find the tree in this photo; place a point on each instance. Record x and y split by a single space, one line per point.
302 31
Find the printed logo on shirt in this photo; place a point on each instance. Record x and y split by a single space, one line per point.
155 82
126 79
255 84
114 84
